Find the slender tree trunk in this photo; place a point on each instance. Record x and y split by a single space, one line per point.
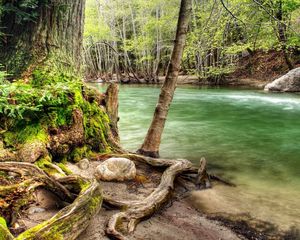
152 141
282 36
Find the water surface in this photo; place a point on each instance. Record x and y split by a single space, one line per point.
247 136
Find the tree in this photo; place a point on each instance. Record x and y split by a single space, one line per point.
49 101
152 141
37 36
47 114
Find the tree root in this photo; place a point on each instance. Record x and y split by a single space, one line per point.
69 222
38 176
138 210
126 220
72 220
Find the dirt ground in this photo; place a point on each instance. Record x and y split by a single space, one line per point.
177 220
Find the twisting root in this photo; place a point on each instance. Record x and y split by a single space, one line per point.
35 174
69 222
139 210
72 220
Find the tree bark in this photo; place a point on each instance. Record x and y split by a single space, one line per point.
52 36
281 28
152 141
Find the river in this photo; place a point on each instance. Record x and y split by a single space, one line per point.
247 136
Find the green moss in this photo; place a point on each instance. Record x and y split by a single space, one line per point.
63 167
80 152
5 233
96 123
45 164
23 132
3 222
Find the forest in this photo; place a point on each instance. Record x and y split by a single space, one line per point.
149 119
133 40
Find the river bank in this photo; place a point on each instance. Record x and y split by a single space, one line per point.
195 81
223 125
252 70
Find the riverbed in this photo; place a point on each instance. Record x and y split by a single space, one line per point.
247 136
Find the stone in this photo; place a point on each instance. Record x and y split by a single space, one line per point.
84 164
32 151
289 82
33 210
116 169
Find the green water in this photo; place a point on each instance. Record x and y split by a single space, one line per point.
247 136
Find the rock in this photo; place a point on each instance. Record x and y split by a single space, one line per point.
84 164
116 169
32 151
33 210
287 83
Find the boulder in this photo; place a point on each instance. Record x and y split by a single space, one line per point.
289 82
116 169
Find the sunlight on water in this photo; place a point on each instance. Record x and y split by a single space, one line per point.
247 136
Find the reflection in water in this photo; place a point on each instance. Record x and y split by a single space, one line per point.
249 137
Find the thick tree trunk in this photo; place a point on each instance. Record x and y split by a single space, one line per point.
48 114
53 113
51 35
152 141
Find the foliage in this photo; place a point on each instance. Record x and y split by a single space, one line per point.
3 75
138 33
19 100
220 33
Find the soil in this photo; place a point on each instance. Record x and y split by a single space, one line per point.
178 219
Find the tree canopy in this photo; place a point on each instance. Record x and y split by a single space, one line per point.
140 34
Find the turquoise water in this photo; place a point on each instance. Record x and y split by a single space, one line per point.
247 136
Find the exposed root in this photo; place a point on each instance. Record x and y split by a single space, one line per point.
27 170
202 179
72 220
136 211
69 222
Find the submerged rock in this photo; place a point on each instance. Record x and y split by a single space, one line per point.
116 169
289 82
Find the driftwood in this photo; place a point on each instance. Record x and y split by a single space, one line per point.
146 207
126 220
72 220
202 179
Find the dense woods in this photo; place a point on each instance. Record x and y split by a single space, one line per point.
134 39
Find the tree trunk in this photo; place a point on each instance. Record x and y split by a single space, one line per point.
48 114
152 141
281 28
51 36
